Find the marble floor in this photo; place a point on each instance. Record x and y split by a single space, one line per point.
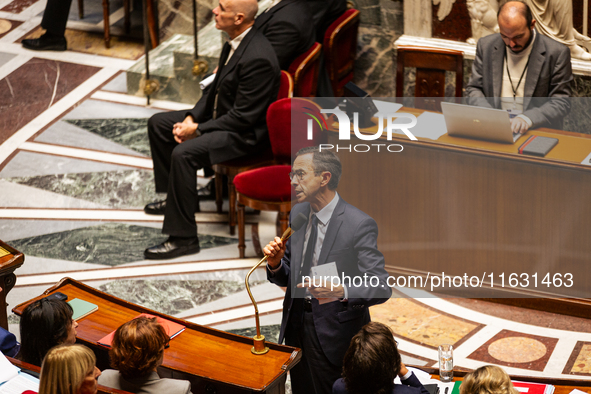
75 173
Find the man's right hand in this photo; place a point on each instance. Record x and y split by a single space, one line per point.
274 250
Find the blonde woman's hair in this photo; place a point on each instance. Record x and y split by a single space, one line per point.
489 379
64 369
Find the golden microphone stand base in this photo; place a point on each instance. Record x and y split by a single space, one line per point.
259 345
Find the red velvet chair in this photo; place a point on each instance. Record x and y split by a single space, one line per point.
286 87
304 70
340 49
231 168
253 187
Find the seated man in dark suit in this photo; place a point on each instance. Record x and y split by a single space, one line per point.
371 364
286 24
324 13
227 122
522 71
54 22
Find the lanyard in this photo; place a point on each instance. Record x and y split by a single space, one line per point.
509 74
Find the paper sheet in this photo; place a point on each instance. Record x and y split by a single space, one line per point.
429 125
587 160
7 370
18 384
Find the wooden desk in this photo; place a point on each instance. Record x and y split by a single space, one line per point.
458 206
10 260
210 359
36 369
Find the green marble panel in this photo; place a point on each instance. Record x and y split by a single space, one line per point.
131 133
117 189
108 244
271 333
171 296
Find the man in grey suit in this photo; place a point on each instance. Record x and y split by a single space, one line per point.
340 238
522 71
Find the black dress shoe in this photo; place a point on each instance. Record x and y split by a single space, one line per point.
46 43
155 208
173 247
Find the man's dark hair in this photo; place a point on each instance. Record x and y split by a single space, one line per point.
44 324
525 11
372 361
324 161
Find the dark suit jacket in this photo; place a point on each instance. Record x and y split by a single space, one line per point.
287 26
350 242
324 13
150 384
547 83
408 386
245 87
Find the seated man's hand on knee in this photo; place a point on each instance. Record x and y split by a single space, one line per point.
185 130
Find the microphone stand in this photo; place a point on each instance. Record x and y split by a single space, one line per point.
259 340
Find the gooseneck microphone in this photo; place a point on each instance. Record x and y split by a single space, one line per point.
259 340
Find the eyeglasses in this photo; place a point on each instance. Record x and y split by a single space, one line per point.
299 174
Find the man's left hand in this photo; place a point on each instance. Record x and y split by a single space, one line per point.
519 125
321 292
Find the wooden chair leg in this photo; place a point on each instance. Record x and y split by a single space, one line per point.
241 231
81 9
232 204
106 23
152 23
127 20
219 191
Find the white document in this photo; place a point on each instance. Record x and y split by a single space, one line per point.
429 125
423 376
7 370
587 160
207 81
18 384
322 274
385 108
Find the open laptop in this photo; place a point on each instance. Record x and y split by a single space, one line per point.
478 122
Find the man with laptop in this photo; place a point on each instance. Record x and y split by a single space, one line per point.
521 71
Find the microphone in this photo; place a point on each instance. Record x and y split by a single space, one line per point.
296 224
259 340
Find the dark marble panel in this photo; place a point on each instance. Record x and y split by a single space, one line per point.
370 13
131 133
18 6
271 333
171 296
6 26
375 69
456 26
392 16
109 244
117 189
49 80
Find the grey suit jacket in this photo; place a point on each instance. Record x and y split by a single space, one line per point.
547 83
350 242
150 384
